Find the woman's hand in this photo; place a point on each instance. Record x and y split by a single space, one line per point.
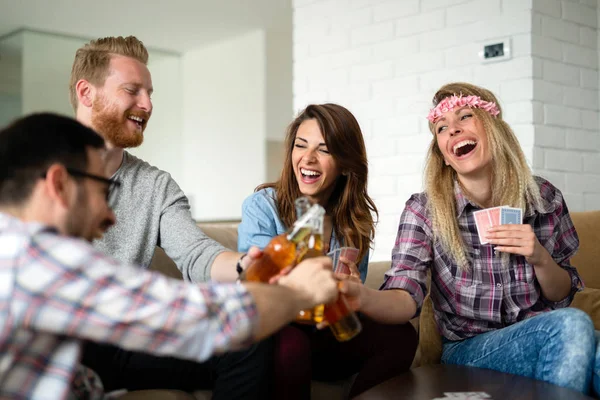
354 274
353 291
519 239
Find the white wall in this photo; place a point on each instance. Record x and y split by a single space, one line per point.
278 82
10 64
10 78
46 69
565 93
45 72
279 98
384 60
224 124
217 110
10 108
163 137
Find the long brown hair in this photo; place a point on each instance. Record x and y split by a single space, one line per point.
512 181
350 206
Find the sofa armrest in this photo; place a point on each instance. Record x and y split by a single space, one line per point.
588 300
586 258
430 340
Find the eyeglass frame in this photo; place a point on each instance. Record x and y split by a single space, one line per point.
112 183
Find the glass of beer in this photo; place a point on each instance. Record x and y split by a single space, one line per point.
343 322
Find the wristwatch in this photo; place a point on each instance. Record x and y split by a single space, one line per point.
238 265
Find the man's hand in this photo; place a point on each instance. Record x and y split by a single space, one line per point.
313 280
253 254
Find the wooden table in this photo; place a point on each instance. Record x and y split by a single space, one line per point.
432 381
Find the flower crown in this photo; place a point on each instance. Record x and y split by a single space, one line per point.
451 102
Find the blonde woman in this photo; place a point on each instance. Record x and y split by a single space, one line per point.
500 305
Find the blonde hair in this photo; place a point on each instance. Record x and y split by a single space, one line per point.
92 60
512 181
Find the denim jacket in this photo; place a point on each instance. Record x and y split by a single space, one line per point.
261 222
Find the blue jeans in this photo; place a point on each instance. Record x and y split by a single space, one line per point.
596 377
557 347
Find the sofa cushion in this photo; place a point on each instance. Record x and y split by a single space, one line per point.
375 273
162 263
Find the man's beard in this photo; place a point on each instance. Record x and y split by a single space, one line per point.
113 125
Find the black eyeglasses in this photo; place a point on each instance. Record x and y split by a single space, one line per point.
113 184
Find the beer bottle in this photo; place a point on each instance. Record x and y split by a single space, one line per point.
281 252
343 322
312 246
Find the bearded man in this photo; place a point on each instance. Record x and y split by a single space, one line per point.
110 91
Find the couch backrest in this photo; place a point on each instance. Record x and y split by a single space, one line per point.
223 232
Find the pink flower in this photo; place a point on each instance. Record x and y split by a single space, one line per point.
451 102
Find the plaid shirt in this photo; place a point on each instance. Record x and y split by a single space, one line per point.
56 291
489 295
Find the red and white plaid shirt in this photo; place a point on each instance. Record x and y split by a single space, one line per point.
488 295
56 291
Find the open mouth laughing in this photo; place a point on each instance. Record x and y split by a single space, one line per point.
464 147
139 121
309 175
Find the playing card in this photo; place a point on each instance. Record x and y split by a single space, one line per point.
495 215
485 219
351 254
465 396
336 259
511 215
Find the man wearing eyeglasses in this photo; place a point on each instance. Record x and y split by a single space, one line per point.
57 290
110 91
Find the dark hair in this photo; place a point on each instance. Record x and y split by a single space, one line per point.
31 144
350 206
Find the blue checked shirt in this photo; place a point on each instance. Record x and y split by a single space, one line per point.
56 291
489 295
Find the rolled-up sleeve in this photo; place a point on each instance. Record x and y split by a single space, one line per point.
413 252
566 244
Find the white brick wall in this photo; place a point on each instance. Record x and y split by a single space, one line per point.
567 141
384 59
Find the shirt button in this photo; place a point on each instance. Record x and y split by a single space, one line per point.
498 285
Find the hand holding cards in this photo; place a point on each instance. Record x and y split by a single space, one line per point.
485 219
340 267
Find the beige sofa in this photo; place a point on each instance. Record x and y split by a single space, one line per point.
429 350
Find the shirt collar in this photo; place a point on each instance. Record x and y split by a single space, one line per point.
8 221
461 200
547 207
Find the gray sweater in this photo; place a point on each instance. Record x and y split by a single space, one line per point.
151 211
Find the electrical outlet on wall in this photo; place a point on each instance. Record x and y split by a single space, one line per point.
495 50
